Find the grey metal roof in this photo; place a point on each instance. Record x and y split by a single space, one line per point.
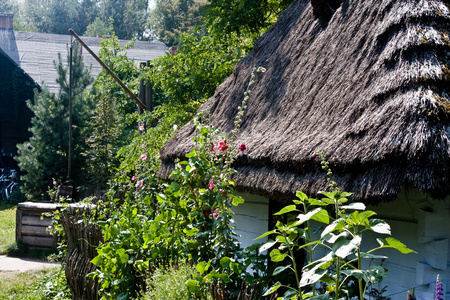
37 51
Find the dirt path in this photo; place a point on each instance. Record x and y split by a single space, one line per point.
15 264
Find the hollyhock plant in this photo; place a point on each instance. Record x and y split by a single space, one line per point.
439 291
215 214
242 147
223 145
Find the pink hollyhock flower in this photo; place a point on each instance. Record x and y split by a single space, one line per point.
223 145
133 178
222 191
54 182
139 183
215 214
314 155
143 157
211 186
141 128
242 147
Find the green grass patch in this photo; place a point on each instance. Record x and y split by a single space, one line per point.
34 285
7 226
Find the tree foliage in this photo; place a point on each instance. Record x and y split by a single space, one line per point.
44 156
6 6
247 17
129 16
171 18
112 113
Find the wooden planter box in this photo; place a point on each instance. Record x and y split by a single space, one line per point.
31 226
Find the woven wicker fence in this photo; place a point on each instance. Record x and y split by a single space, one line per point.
82 238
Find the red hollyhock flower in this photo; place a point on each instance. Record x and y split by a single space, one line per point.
242 147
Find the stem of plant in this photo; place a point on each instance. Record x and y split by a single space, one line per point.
338 268
361 292
297 278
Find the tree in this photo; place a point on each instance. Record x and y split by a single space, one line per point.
171 18
57 16
243 17
97 28
112 113
6 6
44 156
129 16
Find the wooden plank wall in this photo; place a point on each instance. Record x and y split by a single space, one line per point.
32 227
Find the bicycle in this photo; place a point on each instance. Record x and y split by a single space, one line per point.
8 185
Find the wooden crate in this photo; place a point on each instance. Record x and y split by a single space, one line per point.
32 226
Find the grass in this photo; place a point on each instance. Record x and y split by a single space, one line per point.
27 285
7 226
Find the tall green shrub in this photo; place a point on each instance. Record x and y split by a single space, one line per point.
44 156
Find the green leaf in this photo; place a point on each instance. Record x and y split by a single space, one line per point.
374 274
317 202
266 234
277 256
225 262
237 200
380 226
267 246
323 216
302 196
390 242
372 256
275 287
278 270
343 247
286 209
355 205
202 267
336 225
289 294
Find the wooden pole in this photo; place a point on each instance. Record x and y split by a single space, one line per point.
69 154
126 89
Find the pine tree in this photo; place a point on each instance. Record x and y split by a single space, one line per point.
44 156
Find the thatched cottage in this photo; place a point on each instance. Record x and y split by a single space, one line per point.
367 82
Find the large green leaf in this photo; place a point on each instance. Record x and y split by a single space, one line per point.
302 218
289 294
275 287
380 226
277 256
390 242
355 206
302 196
266 234
286 209
343 247
278 270
267 246
336 225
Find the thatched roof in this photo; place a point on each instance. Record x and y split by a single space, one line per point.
368 85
